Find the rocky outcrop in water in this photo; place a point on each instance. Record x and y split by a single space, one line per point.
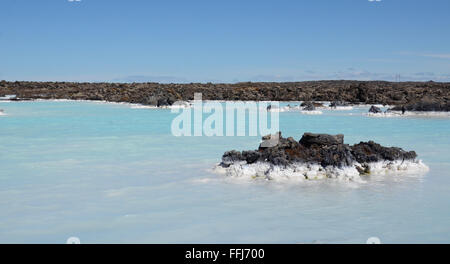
375 110
335 104
308 106
321 149
425 104
339 92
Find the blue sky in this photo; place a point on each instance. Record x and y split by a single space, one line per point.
224 41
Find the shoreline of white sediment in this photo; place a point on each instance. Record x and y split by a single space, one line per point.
410 114
131 105
298 172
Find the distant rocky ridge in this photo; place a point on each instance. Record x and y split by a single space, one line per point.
367 92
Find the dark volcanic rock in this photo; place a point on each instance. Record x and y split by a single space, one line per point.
309 139
231 157
372 152
311 104
323 149
151 100
425 104
165 102
338 103
375 110
251 156
308 106
339 92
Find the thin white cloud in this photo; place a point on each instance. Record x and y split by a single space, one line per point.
437 55
427 54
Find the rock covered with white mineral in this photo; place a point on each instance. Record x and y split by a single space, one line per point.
317 156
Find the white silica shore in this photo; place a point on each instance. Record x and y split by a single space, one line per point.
410 114
178 106
132 105
340 108
308 172
279 110
143 107
313 112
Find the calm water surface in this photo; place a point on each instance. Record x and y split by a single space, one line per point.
111 173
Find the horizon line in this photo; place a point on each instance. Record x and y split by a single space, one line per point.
239 82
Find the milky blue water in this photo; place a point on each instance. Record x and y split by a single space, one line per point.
110 173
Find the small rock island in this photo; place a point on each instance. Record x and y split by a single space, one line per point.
317 156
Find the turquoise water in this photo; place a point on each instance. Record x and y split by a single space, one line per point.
110 173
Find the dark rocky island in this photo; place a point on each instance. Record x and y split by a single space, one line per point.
408 94
317 156
375 110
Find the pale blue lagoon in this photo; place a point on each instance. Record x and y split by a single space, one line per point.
112 173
